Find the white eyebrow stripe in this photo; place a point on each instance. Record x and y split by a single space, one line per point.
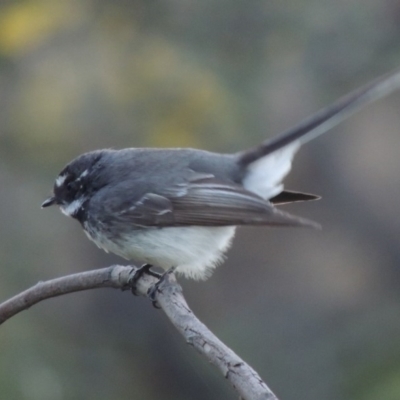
72 208
83 174
60 180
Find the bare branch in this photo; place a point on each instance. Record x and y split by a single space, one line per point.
241 376
114 277
169 296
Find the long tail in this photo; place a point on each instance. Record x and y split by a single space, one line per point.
326 118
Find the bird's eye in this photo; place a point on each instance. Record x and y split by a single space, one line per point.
70 186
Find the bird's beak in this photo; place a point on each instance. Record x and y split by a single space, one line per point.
49 202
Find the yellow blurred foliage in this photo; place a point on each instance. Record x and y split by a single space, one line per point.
189 97
188 114
125 87
23 26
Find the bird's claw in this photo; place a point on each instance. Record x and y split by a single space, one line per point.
151 293
144 269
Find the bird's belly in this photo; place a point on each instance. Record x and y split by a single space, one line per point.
194 250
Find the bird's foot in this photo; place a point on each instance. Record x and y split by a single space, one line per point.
151 293
144 269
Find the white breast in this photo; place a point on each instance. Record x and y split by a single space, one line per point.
194 250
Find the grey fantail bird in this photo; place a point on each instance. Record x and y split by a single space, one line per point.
180 207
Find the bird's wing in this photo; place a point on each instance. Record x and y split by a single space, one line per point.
207 202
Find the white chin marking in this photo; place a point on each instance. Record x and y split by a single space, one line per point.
60 180
72 208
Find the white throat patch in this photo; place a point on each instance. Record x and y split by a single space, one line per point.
72 208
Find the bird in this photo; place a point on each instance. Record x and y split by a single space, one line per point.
178 208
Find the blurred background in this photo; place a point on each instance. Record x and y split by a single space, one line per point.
317 314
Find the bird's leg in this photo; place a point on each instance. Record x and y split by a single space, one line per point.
151 293
144 269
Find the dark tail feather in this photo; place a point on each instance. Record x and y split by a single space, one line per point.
288 196
326 118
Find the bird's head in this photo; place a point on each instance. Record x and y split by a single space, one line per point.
76 183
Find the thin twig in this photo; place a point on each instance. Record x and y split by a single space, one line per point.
169 296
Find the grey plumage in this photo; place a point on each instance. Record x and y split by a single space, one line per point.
189 195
